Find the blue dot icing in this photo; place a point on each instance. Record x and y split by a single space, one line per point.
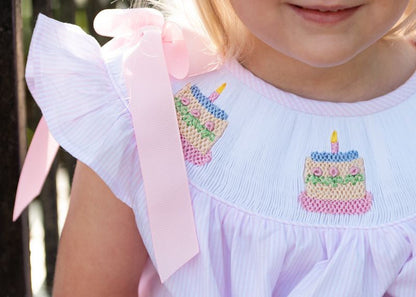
338 157
205 102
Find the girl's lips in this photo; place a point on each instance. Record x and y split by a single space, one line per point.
325 14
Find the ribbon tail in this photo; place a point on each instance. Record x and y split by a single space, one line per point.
161 157
38 161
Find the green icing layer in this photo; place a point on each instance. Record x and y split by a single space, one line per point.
334 181
189 119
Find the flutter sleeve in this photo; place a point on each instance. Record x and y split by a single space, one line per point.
87 115
132 142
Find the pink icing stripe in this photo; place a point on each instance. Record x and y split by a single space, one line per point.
356 206
193 155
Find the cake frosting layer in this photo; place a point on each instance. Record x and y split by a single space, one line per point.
334 157
334 169
339 193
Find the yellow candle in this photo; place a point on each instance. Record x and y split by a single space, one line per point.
334 143
217 92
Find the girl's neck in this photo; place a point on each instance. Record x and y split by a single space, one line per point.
376 71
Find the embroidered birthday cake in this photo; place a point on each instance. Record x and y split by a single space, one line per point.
335 182
201 122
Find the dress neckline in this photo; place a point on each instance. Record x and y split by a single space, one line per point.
323 108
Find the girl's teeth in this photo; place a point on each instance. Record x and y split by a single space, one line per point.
322 10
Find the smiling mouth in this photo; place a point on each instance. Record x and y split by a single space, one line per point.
322 8
325 14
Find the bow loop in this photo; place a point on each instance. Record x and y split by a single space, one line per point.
176 51
186 52
131 25
126 22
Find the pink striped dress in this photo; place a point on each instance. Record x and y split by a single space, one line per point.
277 213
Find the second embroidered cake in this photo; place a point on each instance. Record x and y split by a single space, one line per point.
335 182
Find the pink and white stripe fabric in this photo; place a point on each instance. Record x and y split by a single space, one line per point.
255 239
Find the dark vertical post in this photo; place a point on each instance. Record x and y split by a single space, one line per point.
43 6
93 8
50 224
67 11
14 237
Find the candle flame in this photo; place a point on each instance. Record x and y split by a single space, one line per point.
221 88
334 137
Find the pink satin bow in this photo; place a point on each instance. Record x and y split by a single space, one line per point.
154 49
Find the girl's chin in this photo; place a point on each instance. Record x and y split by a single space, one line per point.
322 54
325 62
324 59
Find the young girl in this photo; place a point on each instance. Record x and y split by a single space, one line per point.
294 176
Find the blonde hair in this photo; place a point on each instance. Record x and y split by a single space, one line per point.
225 29
217 19
406 26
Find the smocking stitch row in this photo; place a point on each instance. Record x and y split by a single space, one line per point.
338 157
334 181
342 192
356 206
